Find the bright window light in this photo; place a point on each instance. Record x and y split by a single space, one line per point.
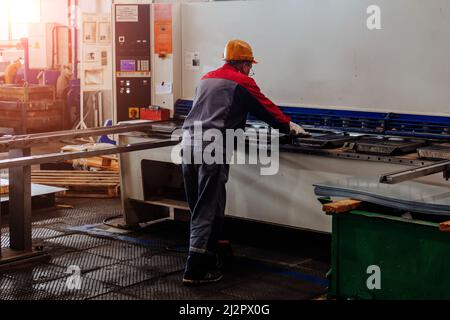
15 15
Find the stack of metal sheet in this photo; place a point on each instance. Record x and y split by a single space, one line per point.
409 196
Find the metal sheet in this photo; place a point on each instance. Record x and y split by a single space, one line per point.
36 190
410 195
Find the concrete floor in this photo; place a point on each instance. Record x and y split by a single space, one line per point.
270 263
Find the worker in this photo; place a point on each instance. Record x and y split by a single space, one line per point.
224 98
11 72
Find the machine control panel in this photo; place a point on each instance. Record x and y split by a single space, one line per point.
133 59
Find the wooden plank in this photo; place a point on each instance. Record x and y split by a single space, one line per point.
341 206
76 184
75 172
76 176
87 178
444 226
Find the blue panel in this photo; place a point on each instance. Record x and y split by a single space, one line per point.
359 121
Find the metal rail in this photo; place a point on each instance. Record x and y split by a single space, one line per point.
63 156
31 140
405 175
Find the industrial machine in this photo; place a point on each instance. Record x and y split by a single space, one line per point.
146 57
366 112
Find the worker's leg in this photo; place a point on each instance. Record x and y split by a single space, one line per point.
221 200
190 175
208 214
207 220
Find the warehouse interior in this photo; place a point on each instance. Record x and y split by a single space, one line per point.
350 202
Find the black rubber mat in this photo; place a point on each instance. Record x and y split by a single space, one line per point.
44 233
60 290
287 257
148 263
37 234
11 289
160 263
85 261
121 275
120 251
268 286
115 296
79 241
58 226
54 250
169 289
36 274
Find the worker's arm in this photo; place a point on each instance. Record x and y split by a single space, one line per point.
260 106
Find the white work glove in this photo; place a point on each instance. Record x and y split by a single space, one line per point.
297 130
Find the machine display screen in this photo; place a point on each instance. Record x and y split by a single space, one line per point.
128 65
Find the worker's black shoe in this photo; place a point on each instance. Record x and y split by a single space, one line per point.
201 269
208 277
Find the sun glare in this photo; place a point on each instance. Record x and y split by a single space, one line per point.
15 15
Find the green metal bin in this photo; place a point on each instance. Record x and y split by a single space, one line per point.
413 258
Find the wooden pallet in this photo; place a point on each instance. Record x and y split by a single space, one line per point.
81 184
26 93
102 163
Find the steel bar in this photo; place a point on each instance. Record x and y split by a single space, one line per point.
20 203
31 140
63 156
405 175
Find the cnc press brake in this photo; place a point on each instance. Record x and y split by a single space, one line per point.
375 101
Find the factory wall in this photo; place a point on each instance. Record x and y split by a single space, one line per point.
321 53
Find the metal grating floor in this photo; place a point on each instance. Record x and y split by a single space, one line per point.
120 251
149 263
121 275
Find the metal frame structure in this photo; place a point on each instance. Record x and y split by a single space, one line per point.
19 164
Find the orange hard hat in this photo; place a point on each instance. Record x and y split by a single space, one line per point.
238 50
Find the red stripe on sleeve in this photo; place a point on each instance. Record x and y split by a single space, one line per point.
230 73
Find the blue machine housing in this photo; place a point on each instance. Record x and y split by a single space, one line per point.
394 124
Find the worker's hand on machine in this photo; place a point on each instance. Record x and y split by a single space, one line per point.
297 130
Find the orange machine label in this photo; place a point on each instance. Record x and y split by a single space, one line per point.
163 28
133 113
